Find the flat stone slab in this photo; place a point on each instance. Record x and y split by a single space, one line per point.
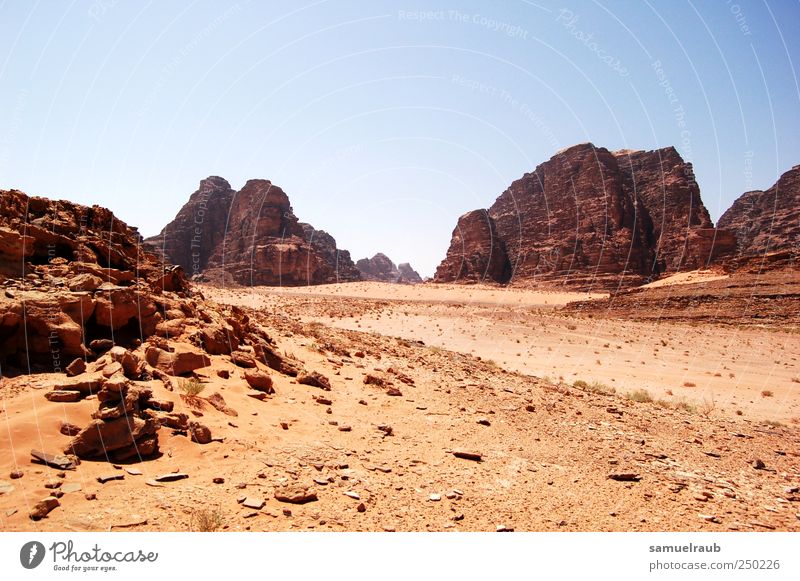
63 396
295 494
55 461
71 487
172 477
254 502
102 479
625 477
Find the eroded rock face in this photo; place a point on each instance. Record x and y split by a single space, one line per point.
193 236
250 237
767 222
73 275
589 218
380 268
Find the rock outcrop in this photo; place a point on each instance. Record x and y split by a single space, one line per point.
250 237
380 268
589 218
767 223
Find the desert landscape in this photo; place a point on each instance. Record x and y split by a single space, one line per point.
248 375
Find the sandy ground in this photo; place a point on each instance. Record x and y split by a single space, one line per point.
726 370
378 452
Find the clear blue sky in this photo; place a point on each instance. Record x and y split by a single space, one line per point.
384 121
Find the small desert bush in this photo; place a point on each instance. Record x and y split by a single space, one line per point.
641 396
774 424
708 406
766 393
600 388
685 406
580 384
191 387
206 520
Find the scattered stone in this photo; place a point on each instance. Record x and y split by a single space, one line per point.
314 379
393 391
323 401
709 518
241 498
435 497
762 525
484 422
77 367
352 494
109 477
321 481
53 484
16 474
71 487
361 507
133 471
530 408
63 396
285 425
172 477
199 433
254 502
468 455
136 520
345 428
11 512
218 480
42 508
259 380
504 529
68 429
217 401
153 483
758 464
625 477
295 494
386 429
223 373
60 462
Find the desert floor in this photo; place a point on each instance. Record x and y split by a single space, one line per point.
418 373
721 369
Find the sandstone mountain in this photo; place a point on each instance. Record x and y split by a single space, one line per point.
381 268
767 223
250 237
590 218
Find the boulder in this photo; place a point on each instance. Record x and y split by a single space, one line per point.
259 380
181 362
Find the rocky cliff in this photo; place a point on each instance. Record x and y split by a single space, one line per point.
381 268
589 218
250 237
767 223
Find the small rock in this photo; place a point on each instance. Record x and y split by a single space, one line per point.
345 428
484 422
435 497
314 379
504 529
71 487
63 396
323 401
758 464
709 518
53 484
223 373
241 498
16 474
287 512
352 494
11 512
285 425
153 483
259 395
172 477
361 507
109 477
468 455
259 380
218 402
218 480
90 496
295 494
199 433
255 502
530 408
393 391
133 471
42 508
625 477
77 367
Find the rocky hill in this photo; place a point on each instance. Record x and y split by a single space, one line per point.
381 268
250 237
767 223
590 218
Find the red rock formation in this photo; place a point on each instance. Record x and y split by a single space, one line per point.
589 218
250 237
476 252
767 223
380 268
200 226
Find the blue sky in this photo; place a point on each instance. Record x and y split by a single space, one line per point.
384 121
